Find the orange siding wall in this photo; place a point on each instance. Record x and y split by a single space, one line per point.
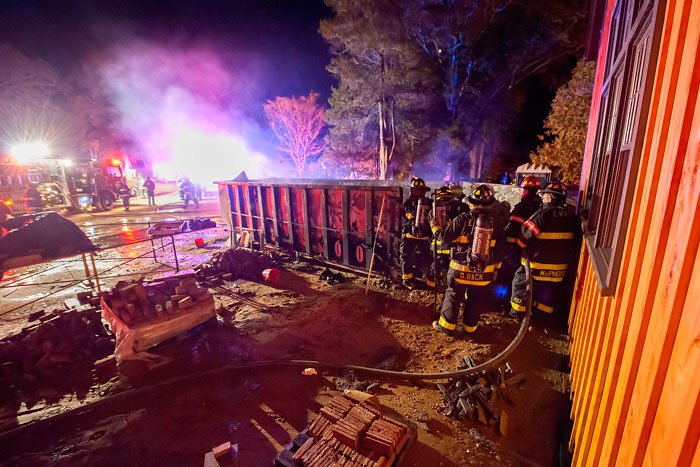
635 356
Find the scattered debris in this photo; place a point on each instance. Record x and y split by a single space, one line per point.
234 263
350 430
198 223
475 396
62 338
309 372
331 277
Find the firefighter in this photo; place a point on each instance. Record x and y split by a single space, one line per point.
124 192
457 192
189 190
473 266
448 208
32 199
529 203
548 237
414 251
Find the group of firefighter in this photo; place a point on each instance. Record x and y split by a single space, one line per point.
466 245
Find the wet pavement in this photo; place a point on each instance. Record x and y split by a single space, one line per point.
126 252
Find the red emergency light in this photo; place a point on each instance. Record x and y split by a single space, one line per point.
116 162
8 202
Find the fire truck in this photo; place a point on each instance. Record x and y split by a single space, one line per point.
62 183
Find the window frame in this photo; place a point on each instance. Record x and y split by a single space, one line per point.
615 163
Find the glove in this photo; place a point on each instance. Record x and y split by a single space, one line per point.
434 222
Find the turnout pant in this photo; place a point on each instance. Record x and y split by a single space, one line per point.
545 294
443 264
473 297
414 255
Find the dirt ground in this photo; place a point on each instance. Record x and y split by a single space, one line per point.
166 416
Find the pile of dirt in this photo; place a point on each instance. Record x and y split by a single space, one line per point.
240 263
62 339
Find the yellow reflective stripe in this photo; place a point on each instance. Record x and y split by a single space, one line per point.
548 279
415 238
465 268
470 328
493 243
446 325
462 239
407 276
511 239
462 281
499 265
555 235
545 308
550 267
435 228
521 244
517 307
444 252
410 216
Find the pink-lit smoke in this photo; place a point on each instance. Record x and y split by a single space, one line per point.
183 110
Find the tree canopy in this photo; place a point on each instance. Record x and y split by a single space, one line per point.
297 122
564 138
445 77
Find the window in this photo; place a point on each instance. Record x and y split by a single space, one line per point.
628 79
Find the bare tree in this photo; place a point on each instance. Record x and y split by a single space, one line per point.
297 123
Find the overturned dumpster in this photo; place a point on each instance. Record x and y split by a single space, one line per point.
334 220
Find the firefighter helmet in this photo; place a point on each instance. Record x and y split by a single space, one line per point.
443 193
530 183
482 195
419 184
456 188
556 188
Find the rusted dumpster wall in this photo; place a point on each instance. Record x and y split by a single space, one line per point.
332 219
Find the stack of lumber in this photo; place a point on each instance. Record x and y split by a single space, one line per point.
142 315
136 303
351 431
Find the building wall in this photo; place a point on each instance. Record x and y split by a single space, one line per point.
635 356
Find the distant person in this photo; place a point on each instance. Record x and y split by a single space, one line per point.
150 187
124 192
32 199
188 190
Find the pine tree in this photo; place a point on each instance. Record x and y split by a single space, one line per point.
564 139
380 112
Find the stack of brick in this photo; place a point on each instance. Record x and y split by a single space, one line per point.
351 432
137 303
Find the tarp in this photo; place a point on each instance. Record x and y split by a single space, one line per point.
47 234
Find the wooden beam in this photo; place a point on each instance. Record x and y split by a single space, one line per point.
249 209
288 205
346 226
369 224
275 220
324 222
305 214
261 221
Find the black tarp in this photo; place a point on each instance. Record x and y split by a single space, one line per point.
46 233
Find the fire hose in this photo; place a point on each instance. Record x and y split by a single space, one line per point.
404 375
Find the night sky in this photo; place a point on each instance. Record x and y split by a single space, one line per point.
283 34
